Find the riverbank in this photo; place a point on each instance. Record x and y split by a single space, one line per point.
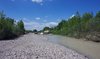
33 46
88 48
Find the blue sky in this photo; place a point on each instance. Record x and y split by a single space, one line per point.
37 14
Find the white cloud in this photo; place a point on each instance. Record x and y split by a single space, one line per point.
33 24
72 16
40 1
51 24
30 25
37 18
37 1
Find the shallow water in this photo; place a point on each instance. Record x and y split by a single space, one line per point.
88 48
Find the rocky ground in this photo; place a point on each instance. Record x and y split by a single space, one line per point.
31 46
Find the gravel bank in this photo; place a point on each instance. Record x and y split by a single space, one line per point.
33 46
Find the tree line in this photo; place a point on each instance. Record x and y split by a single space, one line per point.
79 26
9 28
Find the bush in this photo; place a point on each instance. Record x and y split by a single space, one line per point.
8 28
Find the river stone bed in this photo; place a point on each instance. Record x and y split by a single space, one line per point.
31 46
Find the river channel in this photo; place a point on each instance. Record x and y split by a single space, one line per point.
87 48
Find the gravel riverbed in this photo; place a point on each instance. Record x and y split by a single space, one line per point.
31 46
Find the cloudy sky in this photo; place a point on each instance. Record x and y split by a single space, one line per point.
37 14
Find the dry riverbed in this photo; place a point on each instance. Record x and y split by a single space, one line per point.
31 46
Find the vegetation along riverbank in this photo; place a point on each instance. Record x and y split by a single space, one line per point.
80 26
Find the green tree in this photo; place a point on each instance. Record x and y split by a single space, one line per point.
6 27
95 22
86 18
20 26
98 15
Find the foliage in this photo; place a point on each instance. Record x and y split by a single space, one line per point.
78 25
8 28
